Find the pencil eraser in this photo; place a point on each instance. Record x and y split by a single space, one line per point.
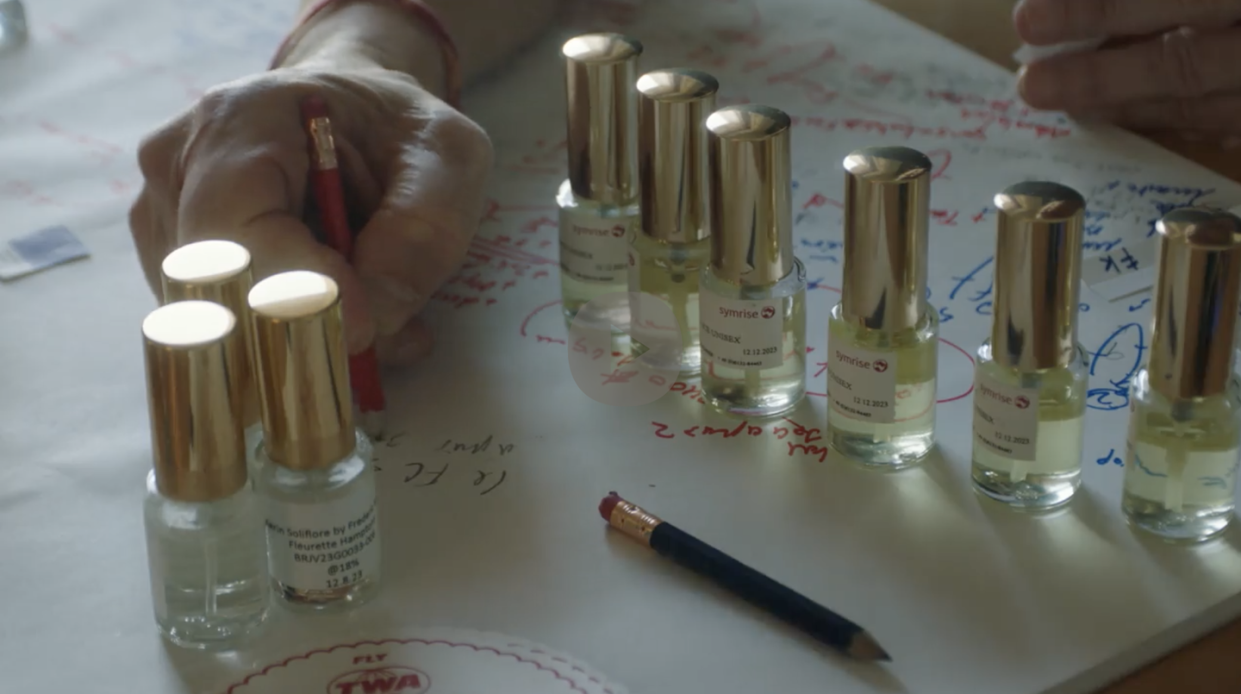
38 250
609 502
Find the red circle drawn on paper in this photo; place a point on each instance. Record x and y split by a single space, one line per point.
525 324
519 657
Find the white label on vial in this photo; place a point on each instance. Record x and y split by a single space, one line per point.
741 334
1006 418
325 546
593 249
861 385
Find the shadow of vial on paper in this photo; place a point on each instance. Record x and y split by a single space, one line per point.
283 635
915 529
1072 567
1201 571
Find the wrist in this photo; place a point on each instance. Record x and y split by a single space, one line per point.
356 34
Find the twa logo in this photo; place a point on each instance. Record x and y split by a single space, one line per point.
880 366
618 231
768 312
1022 402
381 680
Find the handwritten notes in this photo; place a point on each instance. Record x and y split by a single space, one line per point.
479 466
493 425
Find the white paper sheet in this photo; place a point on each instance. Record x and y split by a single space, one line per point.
505 536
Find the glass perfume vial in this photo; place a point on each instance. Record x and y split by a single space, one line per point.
204 533
314 477
1184 421
882 337
598 202
220 271
752 301
1030 377
669 249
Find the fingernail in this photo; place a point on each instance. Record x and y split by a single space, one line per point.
1036 89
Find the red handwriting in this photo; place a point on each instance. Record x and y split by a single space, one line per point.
798 438
880 127
1040 130
127 62
945 156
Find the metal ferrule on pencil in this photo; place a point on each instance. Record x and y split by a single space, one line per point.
600 70
1196 302
323 152
1038 256
751 185
672 153
887 209
634 521
302 366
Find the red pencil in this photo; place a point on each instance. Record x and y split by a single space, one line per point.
330 198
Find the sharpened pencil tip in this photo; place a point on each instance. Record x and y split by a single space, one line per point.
865 647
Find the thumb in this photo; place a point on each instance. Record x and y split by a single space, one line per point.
422 229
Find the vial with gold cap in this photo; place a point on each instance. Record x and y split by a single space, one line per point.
1184 407
220 271
204 532
752 305
882 336
599 200
1031 376
314 475
669 249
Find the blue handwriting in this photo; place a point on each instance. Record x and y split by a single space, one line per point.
1116 395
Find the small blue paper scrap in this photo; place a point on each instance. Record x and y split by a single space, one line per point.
39 250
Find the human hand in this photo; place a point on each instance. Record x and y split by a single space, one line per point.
236 166
1169 65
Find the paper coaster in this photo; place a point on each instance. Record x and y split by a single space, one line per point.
429 662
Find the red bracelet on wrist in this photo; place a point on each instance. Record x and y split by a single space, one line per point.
448 49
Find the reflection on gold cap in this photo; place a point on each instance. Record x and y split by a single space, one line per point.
197 433
601 109
1038 264
887 208
303 377
672 153
751 183
218 271
1196 299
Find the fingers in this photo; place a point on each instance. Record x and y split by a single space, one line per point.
1212 116
421 232
1181 65
152 218
407 346
1043 22
248 190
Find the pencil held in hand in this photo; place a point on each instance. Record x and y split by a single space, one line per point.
330 199
817 621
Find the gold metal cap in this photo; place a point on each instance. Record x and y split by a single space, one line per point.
600 70
197 433
219 271
1038 267
1196 297
887 209
303 370
751 191
672 153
